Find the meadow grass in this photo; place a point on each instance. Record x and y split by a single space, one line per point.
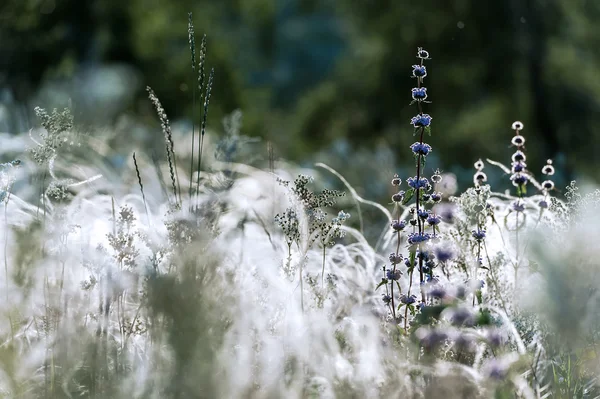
251 283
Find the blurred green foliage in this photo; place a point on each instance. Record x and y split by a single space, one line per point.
308 73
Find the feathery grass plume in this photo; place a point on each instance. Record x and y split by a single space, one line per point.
139 177
166 128
203 126
192 41
201 78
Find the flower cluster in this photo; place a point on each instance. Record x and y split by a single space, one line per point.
519 175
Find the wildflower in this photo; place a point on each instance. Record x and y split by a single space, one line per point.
444 254
396 181
398 197
408 299
393 275
422 213
418 183
543 204
413 222
417 238
420 148
395 258
519 156
518 206
462 317
422 54
478 234
434 220
519 179
398 225
479 178
425 197
437 292
518 140
518 167
421 120
430 338
386 299
548 184
548 169
419 93
517 125
436 197
419 71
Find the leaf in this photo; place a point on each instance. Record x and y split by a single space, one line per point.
408 196
383 282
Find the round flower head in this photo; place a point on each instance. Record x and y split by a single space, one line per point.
423 214
479 165
519 156
419 93
398 197
518 167
548 185
518 140
437 292
408 300
543 204
416 184
422 120
386 299
393 275
444 254
420 148
398 225
548 169
479 178
396 181
419 71
434 220
426 197
518 206
417 238
517 125
437 177
422 54
478 234
395 258
519 179
436 197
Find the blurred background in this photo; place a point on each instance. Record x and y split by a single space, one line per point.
321 80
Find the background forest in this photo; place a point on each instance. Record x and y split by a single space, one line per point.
320 80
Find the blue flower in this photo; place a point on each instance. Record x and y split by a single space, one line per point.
393 274
444 254
519 156
518 167
421 120
386 299
543 204
398 225
436 197
420 148
408 300
548 184
417 238
419 93
422 54
407 262
434 220
419 71
519 179
423 214
478 234
398 197
518 206
395 258
417 184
